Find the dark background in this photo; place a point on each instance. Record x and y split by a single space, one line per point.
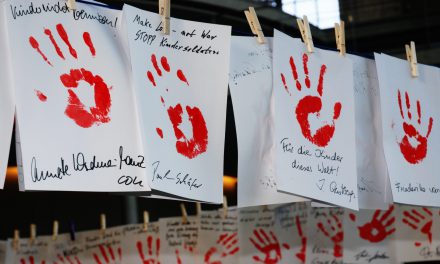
371 26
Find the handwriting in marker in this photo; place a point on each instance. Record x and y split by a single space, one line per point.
320 184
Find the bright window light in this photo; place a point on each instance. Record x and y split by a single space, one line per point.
321 13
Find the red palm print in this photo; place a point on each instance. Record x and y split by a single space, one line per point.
187 248
152 257
190 146
31 261
67 260
334 231
420 220
226 246
269 246
379 228
75 109
301 255
312 105
413 154
108 255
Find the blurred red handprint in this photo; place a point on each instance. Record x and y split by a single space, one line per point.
379 228
333 230
151 257
31 260
67 260
227 245
108 255
269 246
420 220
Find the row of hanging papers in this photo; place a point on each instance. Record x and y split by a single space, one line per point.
105 101
292 233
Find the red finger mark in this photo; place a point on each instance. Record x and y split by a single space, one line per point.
230 238
41 96
429 127
294 73
60 258
159 132
408 104
283 79
179 261
22 261
234 251
140 251
65 38
426 229
232 244
321 79
298 226
419 112
264 235
209 253
322 228
88 40
399 99
410 216
165 64
97 260
120 253
387 213
157 246
256 245
221 238
376 214
337 220
112 255
103 253
410 224
417 213
162 100
257 259
417 244
337 110
150 245
31 259
156 67
306 69
429 212
54 43
151 78
286 246
34 43
390 222
182 76
352 217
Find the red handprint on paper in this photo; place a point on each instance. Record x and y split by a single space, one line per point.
420 220
187 248
269 246
151 258
67 260
413 154
334 231
226 246
108 255
190 146
75 109
31 261
379 228
301 255
312 105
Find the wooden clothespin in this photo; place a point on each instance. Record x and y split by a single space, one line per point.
254 23
55 230
411 56
16 240
225 206
103 224
198 209
32 233
164 12
71 4
304 28
184 213
340 37
146 220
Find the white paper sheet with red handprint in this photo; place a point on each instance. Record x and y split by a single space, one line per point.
314 121
417 233
181 83
64 250
30 253
368 235
411 134
79 97
142 246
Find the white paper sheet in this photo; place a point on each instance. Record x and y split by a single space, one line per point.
29 252
179 240
368 235
250 83
181 85
66 251
411 134
141 246
79 130
7 98
326 233
314 120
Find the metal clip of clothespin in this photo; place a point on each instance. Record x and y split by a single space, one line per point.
184 213
16 239
55 230
304 28
340 37
71 4
146 220
254 24
225 206
32 233
103 224
411 56
164 12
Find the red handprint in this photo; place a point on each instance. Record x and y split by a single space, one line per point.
187 248
378 228
419 220
312 105
269 246
31 260
335 233
228 247
301 255
108 255
75 109
151 258
412 154
66 260
189 147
